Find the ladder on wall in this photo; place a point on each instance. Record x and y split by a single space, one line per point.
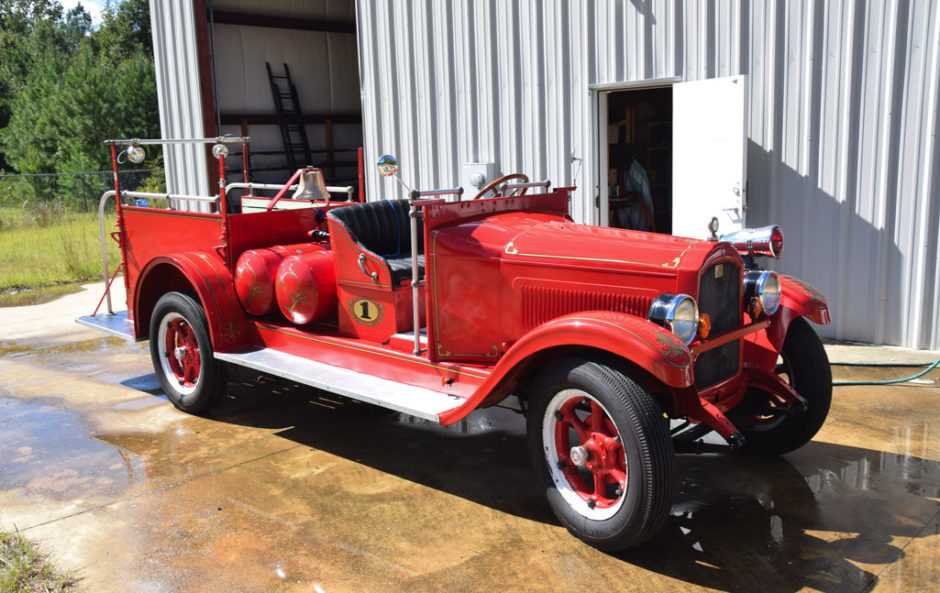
290 119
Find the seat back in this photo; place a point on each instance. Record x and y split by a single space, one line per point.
380 227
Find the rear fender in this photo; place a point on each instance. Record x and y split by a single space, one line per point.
637 340
207 275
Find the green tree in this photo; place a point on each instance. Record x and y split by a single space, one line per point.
68 86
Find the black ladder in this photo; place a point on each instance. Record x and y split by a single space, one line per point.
290 119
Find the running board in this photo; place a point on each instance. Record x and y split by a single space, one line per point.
415 401
116 325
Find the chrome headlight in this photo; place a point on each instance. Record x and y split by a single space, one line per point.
678 313
761 293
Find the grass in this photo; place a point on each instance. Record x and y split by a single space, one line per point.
24 570
48 245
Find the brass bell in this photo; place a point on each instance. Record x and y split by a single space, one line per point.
311 186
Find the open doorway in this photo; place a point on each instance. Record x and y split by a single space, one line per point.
639 158
673 156
286 74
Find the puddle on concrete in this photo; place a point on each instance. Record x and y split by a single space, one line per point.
27 350
92 345
141 403
48 453
36 296
826 518
14 348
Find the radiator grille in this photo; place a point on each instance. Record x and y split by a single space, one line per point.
543 303
720 297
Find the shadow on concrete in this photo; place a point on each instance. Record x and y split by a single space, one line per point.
807 520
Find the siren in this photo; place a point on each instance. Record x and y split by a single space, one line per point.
766 240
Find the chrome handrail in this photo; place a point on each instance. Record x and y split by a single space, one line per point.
191 198
346 189
546 184
102 235
414 200
104 247
216 140
416 193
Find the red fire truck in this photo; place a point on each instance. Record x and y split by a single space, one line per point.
620 347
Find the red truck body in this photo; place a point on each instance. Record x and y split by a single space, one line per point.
512 298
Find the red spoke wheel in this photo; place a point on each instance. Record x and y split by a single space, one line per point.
602 448
182 354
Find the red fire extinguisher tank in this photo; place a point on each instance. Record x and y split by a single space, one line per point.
306 286
304 290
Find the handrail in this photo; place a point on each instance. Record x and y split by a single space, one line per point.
102 234
420 193
413 214
546 184
333 189
191 198
415 201
216 140
104 247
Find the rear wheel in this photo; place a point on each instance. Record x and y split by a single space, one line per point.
805 366
599 443
182 354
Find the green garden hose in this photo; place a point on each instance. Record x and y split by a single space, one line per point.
930 366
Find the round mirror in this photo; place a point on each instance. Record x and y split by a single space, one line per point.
388 165
219 150
135 154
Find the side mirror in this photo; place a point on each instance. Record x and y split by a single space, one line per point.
387 165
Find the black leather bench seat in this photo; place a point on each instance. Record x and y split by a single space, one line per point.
400 267
382 228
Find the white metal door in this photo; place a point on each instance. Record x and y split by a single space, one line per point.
709 162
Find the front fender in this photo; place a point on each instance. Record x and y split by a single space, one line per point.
229 327
635 339
797 299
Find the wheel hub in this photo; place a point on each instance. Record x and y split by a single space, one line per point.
579 456
598 453
181 352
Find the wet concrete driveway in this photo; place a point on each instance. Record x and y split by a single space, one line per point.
285 489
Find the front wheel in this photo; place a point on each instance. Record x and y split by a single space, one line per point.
805 366
601 446
182 354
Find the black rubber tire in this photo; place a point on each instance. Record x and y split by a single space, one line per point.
650 459
212 380
811 376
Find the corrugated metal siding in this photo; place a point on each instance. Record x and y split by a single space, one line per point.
842 123
174 43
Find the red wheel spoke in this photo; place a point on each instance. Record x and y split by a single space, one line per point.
618 476
609 425
577 424
597 417
192 370
600 482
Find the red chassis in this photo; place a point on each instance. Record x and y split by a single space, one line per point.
597 332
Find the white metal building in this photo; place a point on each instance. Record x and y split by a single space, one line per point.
834 135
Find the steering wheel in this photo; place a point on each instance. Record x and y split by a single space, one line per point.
497 182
